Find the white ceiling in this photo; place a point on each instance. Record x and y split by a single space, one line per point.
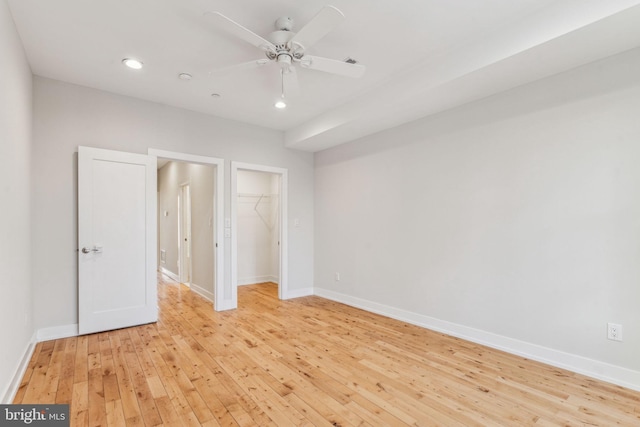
422 56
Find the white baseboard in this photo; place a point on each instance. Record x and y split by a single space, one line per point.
208 295
10 392
225 305
170 274
298 293
256 279
593 368
57 332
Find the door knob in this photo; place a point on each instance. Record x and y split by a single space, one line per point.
86 250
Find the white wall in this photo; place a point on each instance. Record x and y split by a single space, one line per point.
66 116
201 183
257 230
15 193
513 221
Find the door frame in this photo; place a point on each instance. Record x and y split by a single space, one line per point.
283 285
184 228
220 300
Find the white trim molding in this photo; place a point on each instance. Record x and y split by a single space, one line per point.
170 274
299 293
12 389
595 369
204 293
243 281
57 332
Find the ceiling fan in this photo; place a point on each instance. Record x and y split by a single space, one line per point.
288 48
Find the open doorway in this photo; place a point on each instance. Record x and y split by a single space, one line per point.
186 227
190 223
258 217
258 236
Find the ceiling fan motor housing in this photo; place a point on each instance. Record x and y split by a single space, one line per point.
283 53
284 23
281 38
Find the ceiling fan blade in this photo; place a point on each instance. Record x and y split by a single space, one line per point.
326 20
239 31
290 85
332 66
240 67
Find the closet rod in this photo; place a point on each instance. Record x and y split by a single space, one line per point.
257 195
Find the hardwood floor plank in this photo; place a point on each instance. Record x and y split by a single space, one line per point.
114 413
96 405
36 391
81 372
240 404
307 361
128 400
143 395
207 383
174 393
65 384
79 408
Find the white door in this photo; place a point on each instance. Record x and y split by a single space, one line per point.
116 240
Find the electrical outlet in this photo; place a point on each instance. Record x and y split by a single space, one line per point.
336 277
614 331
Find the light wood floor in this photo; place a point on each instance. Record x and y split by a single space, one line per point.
304 362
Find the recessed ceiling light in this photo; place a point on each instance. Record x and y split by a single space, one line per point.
280 104
185 76
132 63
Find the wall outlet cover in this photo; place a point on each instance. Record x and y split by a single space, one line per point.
614 331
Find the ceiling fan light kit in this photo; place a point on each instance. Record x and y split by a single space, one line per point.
288 48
